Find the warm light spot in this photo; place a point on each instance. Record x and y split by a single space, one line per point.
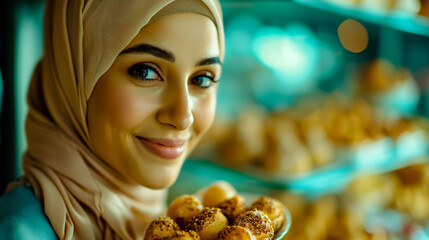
353 35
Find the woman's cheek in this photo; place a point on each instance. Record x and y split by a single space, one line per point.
204 112
130 108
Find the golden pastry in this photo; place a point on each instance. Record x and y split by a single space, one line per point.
413 175
183 235
235 233
162 227
233 207
424 8
273 208
208 223
376 76
184 208
257 222
287 153
217 193
248 136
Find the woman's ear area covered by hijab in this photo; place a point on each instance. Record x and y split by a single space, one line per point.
152 106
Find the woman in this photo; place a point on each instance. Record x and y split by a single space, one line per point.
123 93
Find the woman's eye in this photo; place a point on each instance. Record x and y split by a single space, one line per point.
144 72
203 81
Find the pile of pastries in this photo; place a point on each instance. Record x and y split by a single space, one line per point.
345 215
309 135
327 218
419 7
405 190
218 212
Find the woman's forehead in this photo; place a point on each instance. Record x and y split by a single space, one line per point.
176 35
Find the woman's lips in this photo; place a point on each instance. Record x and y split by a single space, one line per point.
165 148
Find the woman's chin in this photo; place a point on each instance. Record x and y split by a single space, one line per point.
160 181
159 185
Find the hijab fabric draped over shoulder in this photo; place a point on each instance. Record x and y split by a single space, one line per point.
83 197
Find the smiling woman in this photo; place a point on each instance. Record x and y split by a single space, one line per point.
123 93
152 106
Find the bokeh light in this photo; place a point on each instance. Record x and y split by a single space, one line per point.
353 35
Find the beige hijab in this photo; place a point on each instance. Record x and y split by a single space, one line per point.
82 196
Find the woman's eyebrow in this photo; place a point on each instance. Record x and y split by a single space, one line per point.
208 61
152 50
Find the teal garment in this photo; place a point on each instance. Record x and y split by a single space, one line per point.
21 216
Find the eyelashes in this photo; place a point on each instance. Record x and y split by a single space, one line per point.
203 81
145 72
149 72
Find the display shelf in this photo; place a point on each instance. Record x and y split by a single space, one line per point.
328 179
373 157
402 21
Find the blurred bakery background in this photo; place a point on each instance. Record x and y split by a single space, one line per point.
323 104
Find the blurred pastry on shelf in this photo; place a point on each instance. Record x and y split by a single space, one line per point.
376 77
360 210
405 190
296 204
287 152
414 175
218 134
325 208
247 138
392 89
317 131
408 6
380 5
371 192
326 218
424 8
322 150
412 194
395 128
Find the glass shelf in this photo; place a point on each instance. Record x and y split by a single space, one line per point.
399 20
328 179
402 21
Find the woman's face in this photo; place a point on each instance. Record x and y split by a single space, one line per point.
150 109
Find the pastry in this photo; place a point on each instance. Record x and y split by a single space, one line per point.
162 227
217 193
273 208
257 222
208 223
424 8
232 207
183 235
235 233
183 208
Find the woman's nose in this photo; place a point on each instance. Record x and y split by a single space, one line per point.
177 111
